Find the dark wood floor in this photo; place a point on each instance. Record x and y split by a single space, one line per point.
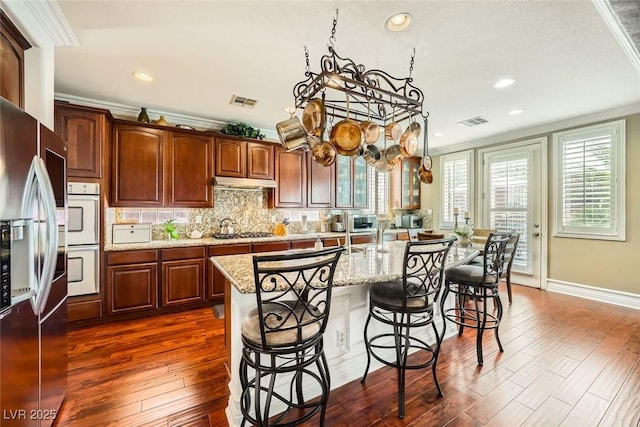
567 362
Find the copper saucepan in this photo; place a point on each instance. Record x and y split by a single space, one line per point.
313 117
408 143
346 136
324 153
372 154
414 128
425 175
371 131
292 134
384 165
393 153
393 131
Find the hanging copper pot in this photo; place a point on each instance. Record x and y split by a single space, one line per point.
372 154
384 165
408 143
292 134
324 153
425 175
393 153
393 131
414 128
371 131
427 162
346 136
313 117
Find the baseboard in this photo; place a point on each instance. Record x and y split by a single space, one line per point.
608 296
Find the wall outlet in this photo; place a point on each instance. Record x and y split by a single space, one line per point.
198 219
341 337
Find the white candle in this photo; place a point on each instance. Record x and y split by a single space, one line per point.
466 215
455 211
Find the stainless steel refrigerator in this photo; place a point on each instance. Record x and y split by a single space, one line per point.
33 310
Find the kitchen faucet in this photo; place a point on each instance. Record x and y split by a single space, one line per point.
226 226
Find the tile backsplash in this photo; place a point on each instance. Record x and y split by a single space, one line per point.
247 209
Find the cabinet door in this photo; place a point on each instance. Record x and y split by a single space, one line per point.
415 186
344 182
137 166
361 183
190 170
259 160
231 158
132 288
12 46
85 133
321 187
404 185
291 175
182 282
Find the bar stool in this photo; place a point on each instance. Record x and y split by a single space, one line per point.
473 284
407 304
509 255
283 335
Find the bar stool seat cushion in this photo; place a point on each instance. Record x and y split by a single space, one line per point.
282 317
391 295
469 273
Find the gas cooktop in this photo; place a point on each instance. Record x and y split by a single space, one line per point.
245 235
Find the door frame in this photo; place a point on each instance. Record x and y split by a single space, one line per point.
544 196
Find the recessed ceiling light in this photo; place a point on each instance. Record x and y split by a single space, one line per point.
516 112
141 75
506 82
399 22
438 133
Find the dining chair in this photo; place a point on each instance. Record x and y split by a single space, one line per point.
473 285
282 338
405 305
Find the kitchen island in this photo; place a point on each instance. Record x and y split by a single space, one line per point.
344 342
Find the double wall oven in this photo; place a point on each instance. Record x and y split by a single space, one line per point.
83 238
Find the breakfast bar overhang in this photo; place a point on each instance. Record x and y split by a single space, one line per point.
343 341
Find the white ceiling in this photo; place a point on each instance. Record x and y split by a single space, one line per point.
564 58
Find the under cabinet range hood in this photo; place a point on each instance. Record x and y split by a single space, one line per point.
244 183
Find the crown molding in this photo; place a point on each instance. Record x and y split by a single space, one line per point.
545 128
49 16
125 111
618 31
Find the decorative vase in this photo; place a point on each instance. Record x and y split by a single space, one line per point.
465 241
143 117
161 121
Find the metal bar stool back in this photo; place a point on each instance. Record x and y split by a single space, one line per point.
282 338
405 305
473 284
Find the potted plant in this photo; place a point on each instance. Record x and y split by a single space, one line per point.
169 227
241 129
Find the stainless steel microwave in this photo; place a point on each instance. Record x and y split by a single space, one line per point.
362 223
411 221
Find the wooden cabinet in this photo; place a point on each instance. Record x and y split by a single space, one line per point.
405 185
12 47
291 176
215 279
243 159
153 167
352 182
132 281
86 131
183 276
270 246
190 170
321 184
303 244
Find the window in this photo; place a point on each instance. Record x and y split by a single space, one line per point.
456 186
589 182
378 193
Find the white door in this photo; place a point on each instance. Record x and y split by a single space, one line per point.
513 187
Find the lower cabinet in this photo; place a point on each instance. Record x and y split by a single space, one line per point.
132 281
183 273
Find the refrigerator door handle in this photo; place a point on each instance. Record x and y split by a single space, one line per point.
39 178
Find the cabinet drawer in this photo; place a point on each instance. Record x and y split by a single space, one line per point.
182 253
131 233
302 244
356 240
270 246
332 241
229 249
131 257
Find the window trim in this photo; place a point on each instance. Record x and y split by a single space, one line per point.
618 143
445 158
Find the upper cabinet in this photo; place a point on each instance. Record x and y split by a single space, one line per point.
405 185
156 167
291 175
86 131
243 159
352 182
321 184
12 47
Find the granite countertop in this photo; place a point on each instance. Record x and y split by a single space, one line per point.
365 265
209 241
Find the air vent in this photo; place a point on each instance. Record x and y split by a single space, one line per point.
241 101
475 121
